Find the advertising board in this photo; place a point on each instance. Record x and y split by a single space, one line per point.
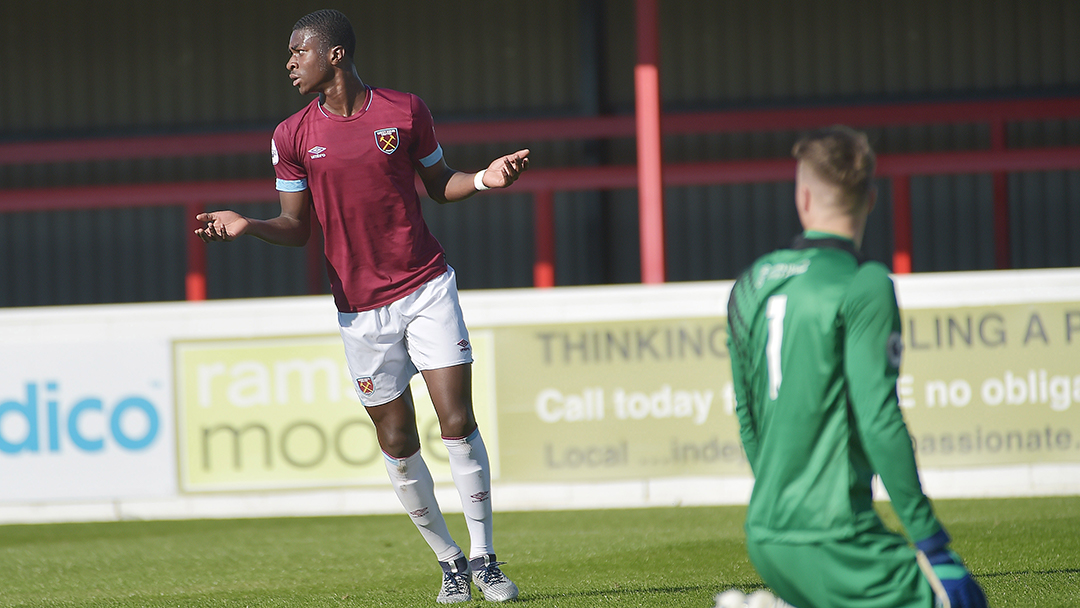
619 394
86 421
281 413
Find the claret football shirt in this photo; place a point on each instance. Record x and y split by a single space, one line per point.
361 172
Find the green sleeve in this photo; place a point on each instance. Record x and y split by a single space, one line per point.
742 409
740 381
871 364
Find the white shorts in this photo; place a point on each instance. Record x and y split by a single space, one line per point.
385 347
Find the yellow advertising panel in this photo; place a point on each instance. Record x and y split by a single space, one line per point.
610 400
980 386
281 413
616 400
993 385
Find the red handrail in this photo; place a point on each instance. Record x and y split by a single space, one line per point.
569 128
609 177
998 160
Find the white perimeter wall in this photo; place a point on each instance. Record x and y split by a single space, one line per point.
117 359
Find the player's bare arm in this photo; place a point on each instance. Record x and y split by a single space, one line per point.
446 185
291 228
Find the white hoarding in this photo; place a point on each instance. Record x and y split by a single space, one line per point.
125 410
86 421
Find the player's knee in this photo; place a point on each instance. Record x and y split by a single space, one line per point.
458 423
399 442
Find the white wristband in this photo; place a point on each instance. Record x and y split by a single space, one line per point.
478 181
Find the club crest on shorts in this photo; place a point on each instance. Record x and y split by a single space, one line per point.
387 139
366 385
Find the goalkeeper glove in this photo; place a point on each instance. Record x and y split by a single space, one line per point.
960 586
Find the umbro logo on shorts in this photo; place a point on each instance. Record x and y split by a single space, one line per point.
464 345
366 385
480 496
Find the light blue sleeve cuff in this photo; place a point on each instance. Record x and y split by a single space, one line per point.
432 158
291 185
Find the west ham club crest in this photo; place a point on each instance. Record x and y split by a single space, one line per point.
366 385
387 139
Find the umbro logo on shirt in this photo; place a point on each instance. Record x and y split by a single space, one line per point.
317 152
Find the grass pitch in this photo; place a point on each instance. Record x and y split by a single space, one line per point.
1025 552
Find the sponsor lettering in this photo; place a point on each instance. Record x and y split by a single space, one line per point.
592 404
1036 387
657 343
590 456
42 420
300 444
250 383
950 331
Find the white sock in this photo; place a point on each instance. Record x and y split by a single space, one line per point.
472 476
416 490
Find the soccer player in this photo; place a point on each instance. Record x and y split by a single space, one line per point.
350 157
814 337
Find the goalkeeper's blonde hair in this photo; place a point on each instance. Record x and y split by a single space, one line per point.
840 156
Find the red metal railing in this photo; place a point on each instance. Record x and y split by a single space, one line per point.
998 160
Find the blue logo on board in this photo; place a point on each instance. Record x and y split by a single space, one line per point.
35 422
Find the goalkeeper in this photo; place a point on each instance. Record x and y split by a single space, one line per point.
814 336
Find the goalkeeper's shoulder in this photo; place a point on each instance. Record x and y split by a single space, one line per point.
872 287
873 276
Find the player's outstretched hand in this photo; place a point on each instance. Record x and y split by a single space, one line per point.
959 585
220 226
505 170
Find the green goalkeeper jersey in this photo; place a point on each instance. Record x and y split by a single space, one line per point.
814 337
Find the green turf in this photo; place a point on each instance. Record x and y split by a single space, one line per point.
1025 552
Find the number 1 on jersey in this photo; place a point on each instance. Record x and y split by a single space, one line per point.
774 312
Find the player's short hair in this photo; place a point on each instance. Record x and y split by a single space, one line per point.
841 156
331 27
